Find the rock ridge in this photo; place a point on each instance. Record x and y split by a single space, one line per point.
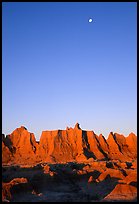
72 144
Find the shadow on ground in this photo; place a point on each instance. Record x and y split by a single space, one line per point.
61 183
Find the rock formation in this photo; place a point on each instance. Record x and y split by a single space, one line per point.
6 188
72 144
122 192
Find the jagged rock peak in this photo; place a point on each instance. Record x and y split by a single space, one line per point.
110 135
67 128
131 135
101 135
23 127
77 126
72 144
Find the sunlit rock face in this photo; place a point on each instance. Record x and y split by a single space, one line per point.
131 142
62 145
72 144
122 192
71 165
21 145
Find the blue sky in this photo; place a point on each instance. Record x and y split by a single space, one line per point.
57 68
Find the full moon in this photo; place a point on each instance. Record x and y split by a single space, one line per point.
90 20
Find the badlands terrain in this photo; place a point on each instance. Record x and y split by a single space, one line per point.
71 165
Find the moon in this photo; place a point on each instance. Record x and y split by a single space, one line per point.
90 20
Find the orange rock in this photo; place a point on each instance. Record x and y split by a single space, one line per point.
90 179
131 177
72 144
115 143
6 187
131 141
113 173
62 145
94 145
22 144
6 154
46 169
122 192
134 164
104 144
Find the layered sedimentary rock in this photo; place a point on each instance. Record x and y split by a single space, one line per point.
20 145
72 144
131 142
62 145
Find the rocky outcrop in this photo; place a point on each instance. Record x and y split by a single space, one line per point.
6 153
21 144
131 142
122 192
70 181
72 144
62 145
116 173
94 146
6 188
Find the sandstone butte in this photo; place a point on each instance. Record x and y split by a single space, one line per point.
72 144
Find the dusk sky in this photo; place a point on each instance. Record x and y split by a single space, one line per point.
59 69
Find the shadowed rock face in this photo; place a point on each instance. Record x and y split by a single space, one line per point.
6 154
72 144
